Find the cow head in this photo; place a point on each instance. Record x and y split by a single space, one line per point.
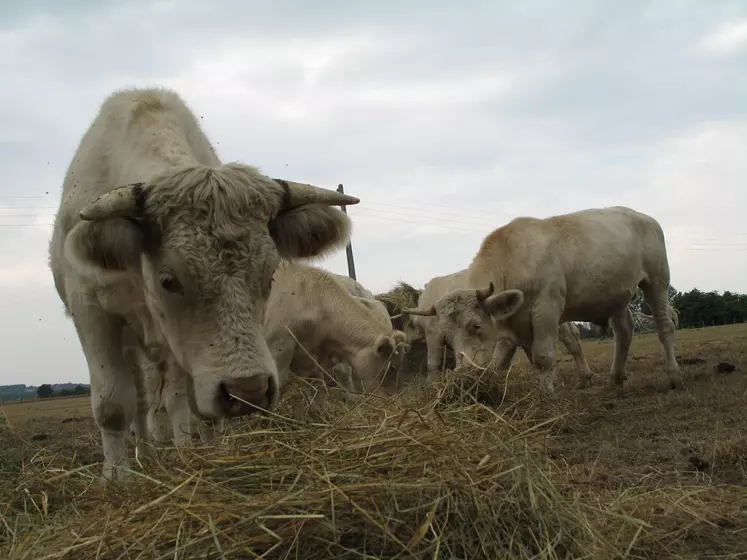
205 243
372 363
474 323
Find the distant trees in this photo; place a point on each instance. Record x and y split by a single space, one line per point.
44 391
705 309
78 390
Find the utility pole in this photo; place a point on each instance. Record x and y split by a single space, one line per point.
349 248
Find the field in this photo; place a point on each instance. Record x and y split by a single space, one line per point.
454 468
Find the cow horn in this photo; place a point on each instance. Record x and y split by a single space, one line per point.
394 317
299 194
128 201
482 295
430 312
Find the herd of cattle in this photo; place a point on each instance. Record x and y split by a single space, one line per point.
182 278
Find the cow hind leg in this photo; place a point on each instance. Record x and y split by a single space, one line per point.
622 326
572 342
658 300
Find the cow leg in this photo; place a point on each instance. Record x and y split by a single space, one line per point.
177 404
622 326
434 344
113 384
545 320
572 342
503 354
659 302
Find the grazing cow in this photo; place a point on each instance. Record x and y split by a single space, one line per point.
419 327
156 236
329 323
533 274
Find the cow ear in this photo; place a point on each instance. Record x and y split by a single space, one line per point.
313 230
112 245
504 304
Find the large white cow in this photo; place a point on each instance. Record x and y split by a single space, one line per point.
533 274
156 237
419 327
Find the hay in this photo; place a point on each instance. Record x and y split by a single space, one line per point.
428 473
410 475
401 296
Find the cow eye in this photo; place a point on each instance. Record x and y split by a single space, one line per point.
169 283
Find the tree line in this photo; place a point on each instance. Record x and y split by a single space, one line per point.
46 391
696 309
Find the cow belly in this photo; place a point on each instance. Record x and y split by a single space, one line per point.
597 308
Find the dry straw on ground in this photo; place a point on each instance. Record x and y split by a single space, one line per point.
415 475
471 465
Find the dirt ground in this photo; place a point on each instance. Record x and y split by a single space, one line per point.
610 444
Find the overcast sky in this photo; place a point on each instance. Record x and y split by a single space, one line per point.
447 121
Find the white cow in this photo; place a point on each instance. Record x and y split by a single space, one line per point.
331 324
419 327
156 238
533 274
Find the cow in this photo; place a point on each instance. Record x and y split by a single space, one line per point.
419 327
155 235
533 274
353 286
326 321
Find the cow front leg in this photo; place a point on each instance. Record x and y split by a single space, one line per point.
545 327
622 326
113 384
571 339
435 349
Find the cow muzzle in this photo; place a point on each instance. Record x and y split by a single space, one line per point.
246 395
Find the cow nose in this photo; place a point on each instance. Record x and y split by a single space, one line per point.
243 395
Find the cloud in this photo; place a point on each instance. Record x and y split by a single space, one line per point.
728 39
447 120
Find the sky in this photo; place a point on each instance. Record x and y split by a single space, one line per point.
447 120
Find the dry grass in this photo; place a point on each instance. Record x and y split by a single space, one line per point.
457 468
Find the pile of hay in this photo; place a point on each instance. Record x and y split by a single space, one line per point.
441 470
417 475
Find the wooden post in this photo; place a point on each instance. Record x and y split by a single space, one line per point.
349 248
